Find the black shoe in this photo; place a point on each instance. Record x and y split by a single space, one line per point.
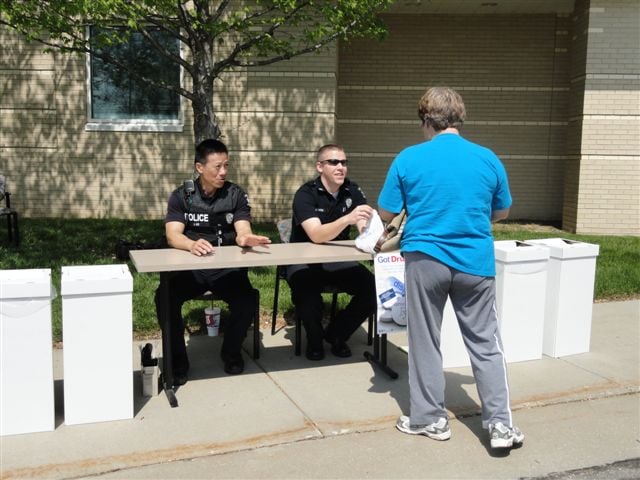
234 366
338 346
340 349
179 378
146 356
314 354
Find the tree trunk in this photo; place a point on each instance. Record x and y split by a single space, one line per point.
205 122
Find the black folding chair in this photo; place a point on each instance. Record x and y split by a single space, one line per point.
10 213
284 228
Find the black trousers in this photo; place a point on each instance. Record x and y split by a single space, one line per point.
307 283
232 286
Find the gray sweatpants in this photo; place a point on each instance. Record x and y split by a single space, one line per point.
428 284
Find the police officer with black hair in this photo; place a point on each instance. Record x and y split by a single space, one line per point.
323 210
201 215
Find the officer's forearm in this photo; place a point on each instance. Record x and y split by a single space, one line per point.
328 231
180 241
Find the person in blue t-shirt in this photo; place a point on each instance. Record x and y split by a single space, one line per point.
452 189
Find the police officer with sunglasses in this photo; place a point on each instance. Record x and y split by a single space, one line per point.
324 209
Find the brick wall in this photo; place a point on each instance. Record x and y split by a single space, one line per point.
512 72
55 167
555 96
603 178
273 119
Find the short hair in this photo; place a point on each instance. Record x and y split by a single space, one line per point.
328 146
442 107
207 147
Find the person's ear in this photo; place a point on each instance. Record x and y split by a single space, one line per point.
199 167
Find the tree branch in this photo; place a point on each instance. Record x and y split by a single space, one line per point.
149 80
106 58
166 53
220 10
186 24
159 23
288 55
241 47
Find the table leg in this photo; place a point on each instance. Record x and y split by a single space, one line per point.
256 327
379 355
15 228
167 358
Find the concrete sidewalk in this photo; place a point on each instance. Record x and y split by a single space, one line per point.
287 417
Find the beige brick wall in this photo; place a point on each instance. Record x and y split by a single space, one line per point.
516 93
556 96
603 180
580 23
27 79
55 167
273 119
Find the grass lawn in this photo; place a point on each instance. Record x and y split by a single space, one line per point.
53 243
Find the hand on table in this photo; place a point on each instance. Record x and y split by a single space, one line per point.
201 247
252 240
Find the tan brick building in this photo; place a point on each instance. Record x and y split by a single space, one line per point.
552 86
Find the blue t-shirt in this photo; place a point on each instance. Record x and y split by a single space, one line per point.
449 187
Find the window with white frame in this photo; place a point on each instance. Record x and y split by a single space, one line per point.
118 100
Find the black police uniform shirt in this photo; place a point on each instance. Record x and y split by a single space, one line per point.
313 200
211 218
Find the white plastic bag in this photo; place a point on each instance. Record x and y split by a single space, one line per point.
367 240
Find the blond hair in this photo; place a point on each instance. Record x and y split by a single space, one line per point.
328 146
442 107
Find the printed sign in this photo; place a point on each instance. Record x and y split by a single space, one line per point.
389 270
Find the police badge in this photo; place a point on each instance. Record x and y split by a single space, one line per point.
349 202
229 218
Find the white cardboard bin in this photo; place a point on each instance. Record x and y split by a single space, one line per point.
521 282
98 350
569 300
26 355
454 352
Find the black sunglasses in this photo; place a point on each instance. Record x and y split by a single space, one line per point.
334 162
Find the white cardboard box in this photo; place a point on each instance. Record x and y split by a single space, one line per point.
97 338
521 282
454 352
569 299
26 355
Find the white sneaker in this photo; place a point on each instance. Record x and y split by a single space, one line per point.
438 431
505 437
